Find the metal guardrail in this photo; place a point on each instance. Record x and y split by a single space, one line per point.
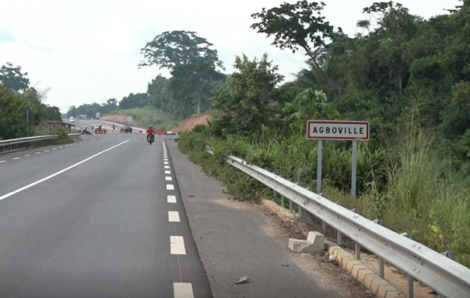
17 141
445 276
74 135
27 140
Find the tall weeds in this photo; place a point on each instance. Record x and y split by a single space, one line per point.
412 190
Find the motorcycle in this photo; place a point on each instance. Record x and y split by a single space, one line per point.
150 139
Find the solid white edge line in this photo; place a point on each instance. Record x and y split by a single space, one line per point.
183 290
171 199
59 172
173 216
177 245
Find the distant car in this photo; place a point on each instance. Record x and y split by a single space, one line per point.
85 130
72 119
169 132
128 129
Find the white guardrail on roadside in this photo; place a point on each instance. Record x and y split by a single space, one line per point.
445 276
33 139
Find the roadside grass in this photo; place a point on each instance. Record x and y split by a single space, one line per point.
150 116
412 191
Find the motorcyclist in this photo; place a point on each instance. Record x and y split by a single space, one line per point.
150 132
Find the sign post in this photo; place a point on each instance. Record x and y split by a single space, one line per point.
319 164
338 130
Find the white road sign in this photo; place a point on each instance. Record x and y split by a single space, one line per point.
337 130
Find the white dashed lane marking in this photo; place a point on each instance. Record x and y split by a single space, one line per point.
168 172
37 153
54 148
183 290
16 158
177 245
173 216
171 199
165 162
167 167
47 150
58 173
170 187
27 155
2 161
167 178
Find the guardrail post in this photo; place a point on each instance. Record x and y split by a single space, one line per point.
282 201
339 236
290 205
357 249
300 211
381 260
410 286
410 278
357 246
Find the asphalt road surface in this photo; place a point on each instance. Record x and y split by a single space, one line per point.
95 219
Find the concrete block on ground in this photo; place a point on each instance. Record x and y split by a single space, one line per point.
314 243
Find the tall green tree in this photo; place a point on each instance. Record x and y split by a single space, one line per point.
191 61
137 100
173 48
12 78
12 121
192 78
245 105
158 93
297 26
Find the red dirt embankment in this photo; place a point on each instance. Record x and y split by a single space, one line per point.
189 123
184 125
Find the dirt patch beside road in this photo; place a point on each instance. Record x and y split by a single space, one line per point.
189 123
185 125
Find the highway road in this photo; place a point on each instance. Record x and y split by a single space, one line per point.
99 218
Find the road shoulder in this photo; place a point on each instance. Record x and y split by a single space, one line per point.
235 239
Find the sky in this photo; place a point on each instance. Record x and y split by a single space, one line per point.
88 51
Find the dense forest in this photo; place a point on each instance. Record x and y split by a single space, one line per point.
16 96
408 76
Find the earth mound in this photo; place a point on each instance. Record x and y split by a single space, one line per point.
190 123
